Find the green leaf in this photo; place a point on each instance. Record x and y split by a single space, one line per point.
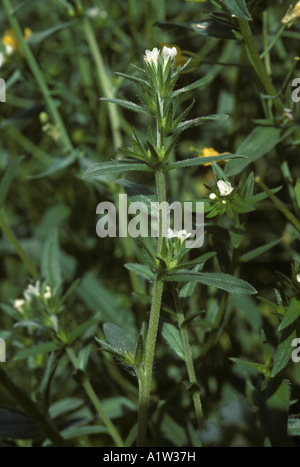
50 261
82 328
236 236
118 406
254 366
283 353
114 167
134 189
196 161
196 84
220 280
140 270
81 431
64 406
17 426
198 121
102 302
59 164
38 37
119 338
259 251
201 260
238 8
291 315
8 178
172 336
261 141
39 349
212 26
126 104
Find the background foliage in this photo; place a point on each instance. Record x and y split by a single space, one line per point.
51 210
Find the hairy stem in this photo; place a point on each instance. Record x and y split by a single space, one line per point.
145 375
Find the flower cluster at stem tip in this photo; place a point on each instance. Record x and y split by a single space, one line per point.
182 235
32 291
167 53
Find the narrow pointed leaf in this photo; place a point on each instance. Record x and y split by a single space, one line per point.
196 84
220 280
140 270
172 336
283 353
114 167
196 161
291 315
198 121
259 251
126 104
238 8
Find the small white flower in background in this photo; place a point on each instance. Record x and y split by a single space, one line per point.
32 290
288 114
168 52
213 196
47 293
9 50
225 188
298 277
18 304
151 56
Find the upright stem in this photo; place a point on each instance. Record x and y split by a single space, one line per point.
38 76
145 375
258 64
104 82
15 242
188 358
279 204
95 401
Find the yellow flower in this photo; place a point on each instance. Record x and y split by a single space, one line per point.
11 43
292 16
209 152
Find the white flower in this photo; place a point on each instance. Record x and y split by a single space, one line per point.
168 53
9 50
212 196
18 304
47 293
225 188
182 235
171 233
151 56
32 290
298 277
